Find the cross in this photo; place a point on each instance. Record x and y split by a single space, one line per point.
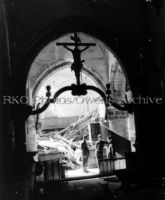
76 52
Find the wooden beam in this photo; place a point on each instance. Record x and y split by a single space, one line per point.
73 44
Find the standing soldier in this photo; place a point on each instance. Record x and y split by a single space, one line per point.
85 154
99 149
110 149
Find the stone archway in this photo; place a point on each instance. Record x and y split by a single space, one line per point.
55 31
102 65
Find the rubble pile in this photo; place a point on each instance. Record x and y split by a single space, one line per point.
66 143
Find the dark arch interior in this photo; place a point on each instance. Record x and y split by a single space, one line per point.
133 31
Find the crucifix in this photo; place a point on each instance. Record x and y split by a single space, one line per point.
76 52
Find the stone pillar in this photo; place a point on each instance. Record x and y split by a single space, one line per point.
31 137
159 55
5 81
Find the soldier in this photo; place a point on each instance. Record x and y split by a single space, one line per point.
99 149
85 154
110 149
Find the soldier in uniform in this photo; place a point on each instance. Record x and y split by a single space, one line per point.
99 149
85 154
110 149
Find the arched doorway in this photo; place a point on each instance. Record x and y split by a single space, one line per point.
52 67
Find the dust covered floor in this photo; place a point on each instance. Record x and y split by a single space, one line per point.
94 189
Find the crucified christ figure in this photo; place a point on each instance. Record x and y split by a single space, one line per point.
78 63
76 52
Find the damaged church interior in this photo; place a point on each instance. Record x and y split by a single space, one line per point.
82 105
